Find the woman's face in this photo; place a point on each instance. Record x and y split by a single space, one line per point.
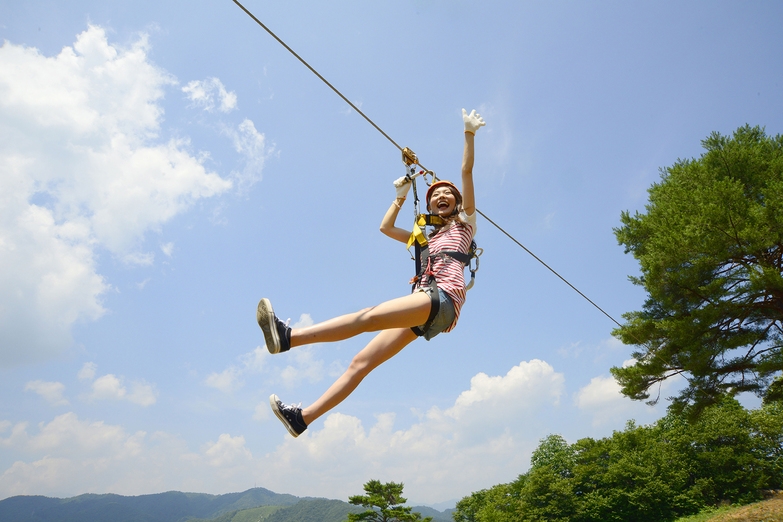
442 201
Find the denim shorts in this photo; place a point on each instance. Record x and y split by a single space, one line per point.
445 315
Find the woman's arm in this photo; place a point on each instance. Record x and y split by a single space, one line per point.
388 226
468 197
472 123
402 186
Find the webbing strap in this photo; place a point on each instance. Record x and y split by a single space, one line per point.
417 235
422 220
434 309
462 257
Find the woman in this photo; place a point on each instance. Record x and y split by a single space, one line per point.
400 320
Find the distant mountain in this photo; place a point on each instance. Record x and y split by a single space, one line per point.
162 507
253 505
437 516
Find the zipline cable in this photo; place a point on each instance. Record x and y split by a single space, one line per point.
400 148
548 267
354 107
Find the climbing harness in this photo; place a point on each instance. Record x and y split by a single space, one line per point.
418 240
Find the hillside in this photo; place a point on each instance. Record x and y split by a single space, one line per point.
770 510
253 505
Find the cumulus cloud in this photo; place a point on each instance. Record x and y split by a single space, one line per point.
76 455
232 378
82 168
111 387
603 401
209 93
52 392
167 248
600 392
87 371
227 450
70 455
252 145
226 381
490 429
305 365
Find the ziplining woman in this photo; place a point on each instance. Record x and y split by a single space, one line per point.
400 320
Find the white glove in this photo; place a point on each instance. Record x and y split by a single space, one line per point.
403 185
472 121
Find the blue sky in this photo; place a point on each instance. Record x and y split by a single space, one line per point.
165 165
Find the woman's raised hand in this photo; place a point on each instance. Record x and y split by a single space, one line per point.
472 121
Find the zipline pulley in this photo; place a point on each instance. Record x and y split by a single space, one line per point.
409 157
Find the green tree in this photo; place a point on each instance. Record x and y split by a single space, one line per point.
497 504
555 453
653 473
710 249
384 503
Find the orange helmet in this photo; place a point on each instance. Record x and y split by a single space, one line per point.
444 183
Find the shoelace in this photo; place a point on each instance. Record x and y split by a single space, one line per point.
291 407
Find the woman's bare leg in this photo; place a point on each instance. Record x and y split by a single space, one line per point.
403 312
383 347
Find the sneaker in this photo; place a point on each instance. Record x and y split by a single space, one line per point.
277 334
289 415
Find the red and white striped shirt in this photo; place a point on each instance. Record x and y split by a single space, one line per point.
450 273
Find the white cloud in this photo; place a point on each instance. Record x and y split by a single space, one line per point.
227 450
203 93
52 392
490 429
108 387
73 455
226 381
69 455
111 387
601 391
262 412
82 168
251 144
87 373
602 400
142 393
305 365
232 378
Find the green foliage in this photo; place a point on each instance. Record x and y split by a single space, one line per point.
312 510
384 503
254 514
497 504
644 473
710 249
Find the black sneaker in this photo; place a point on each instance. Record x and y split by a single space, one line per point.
277 334
289 415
